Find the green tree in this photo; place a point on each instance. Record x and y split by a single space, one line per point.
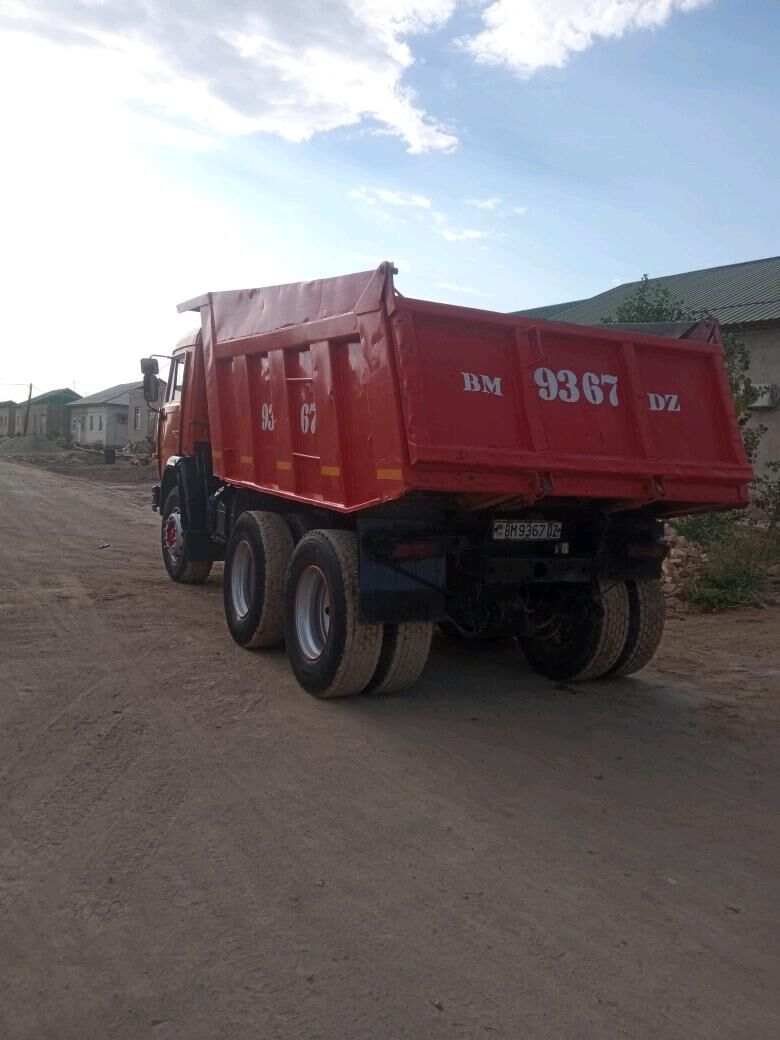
652 301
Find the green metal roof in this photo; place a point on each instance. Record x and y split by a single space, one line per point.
736 294
63 396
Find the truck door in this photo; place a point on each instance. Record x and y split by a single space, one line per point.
169 426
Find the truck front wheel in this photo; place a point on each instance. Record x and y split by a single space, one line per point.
175 549
256 560
578 636
331 654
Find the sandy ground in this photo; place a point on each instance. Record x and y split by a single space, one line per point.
193 848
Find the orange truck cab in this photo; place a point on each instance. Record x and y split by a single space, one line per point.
369 466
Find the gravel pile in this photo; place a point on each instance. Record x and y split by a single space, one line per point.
32 444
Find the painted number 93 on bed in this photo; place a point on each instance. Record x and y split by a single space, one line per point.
568 387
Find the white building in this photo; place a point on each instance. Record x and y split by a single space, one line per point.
102 418
141 421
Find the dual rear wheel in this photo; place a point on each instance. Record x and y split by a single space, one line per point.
307 597
614 631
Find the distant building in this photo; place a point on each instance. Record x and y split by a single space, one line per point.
102 418
48 413
141 420
745 298
8 418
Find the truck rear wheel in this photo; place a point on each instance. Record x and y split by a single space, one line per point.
330 653
175 550
256 562
647 614
579 638
405 650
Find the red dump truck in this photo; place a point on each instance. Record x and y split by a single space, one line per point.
369 466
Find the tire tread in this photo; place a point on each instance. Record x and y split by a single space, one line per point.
277 545
646 626
194 572
363 643
613 633
405 650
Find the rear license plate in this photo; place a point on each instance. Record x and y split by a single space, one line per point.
527 531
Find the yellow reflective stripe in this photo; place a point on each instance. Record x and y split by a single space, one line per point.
330 471
389 474
283 465
247 459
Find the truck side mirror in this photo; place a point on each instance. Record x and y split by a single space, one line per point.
150 366
151 387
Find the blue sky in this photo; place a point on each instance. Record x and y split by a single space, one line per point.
146 170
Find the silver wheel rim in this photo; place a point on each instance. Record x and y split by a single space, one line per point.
312 612
242 578
173 536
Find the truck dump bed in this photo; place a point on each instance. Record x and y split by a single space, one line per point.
342 392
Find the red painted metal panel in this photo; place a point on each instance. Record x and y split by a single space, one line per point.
341 392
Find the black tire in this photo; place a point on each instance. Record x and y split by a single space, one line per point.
174 545
330 653
256 561
647 614
589 638
404 654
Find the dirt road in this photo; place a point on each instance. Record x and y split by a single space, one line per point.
192 848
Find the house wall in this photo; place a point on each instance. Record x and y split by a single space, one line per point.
44 419
104 424
764 347
8 421
140 420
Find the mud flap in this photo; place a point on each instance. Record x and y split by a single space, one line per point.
402 574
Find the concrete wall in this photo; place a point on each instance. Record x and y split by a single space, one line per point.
44 419
140 420
104 424
8 421
764 347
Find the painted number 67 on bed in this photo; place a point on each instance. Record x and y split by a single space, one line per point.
567 386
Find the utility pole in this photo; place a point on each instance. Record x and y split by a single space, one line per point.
27 413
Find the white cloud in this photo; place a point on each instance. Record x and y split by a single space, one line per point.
490 203
466 290
461 234
93 224
300 67
373 196
519 211
293 69
388 218
442 225
528 35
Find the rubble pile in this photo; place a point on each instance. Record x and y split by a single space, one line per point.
32 444
680 567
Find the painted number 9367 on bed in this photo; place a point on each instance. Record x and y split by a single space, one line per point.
526 530
569 387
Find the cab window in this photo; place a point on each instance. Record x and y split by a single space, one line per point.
176 380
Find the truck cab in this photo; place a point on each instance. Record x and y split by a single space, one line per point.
183 418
